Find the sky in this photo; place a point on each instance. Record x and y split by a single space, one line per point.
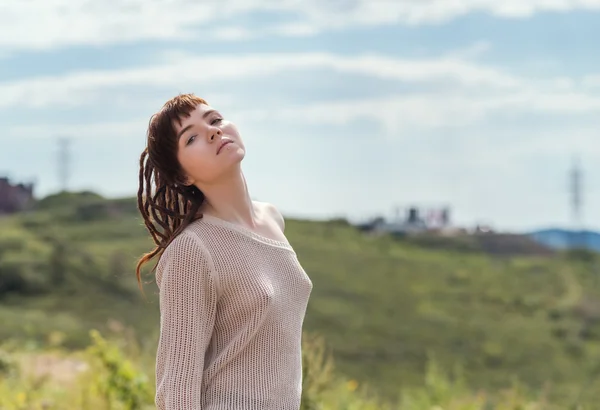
348 108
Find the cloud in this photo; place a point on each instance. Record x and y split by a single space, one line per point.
47 24
471 51
448 91
592 81
479 125
432 111
105 130
239 33
185 71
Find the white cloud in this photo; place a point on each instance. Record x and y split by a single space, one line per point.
232 33
397 118
46 24
107 130
471 51
463 92
408 114
185 71
592 81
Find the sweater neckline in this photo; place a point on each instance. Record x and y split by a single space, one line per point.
245 231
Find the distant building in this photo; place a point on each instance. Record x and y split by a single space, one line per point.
14 197
415 220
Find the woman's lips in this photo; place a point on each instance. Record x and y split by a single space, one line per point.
223 144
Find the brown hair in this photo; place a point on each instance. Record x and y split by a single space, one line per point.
167 205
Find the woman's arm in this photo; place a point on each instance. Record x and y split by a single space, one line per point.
188 301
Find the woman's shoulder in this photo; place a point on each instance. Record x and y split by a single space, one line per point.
271 212
185 245
186 255
188 240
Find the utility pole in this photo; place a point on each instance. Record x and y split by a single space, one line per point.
575 184
64 159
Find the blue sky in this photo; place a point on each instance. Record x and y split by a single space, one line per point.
347 107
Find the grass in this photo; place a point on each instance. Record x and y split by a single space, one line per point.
112 373
384 306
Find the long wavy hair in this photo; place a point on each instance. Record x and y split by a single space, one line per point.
167 205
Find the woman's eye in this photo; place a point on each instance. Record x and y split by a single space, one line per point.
216 121
191 139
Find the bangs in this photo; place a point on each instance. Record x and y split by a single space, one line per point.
181 107
173 111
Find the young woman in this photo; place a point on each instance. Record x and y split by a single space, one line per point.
232 293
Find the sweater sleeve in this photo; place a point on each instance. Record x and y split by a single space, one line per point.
188 301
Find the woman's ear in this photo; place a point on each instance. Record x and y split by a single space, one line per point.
185 181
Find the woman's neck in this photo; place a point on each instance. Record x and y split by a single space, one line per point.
230 200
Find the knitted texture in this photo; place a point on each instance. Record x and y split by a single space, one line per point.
232 306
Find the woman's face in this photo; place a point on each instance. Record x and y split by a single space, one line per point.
208 146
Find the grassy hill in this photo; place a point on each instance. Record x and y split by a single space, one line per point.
384 306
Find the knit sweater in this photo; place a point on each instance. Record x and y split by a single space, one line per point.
232 306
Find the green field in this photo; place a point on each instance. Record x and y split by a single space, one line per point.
385 307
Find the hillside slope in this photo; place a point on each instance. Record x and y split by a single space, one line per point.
382 305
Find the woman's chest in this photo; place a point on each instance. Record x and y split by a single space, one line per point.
274 279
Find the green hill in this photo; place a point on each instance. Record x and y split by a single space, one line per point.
383 305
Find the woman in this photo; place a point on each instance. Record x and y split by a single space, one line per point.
232 293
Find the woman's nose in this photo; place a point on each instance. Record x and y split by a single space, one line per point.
215 133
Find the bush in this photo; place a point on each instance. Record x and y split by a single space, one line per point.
22 278
120 381
66 199
104 377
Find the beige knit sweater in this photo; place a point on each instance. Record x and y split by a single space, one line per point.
232 305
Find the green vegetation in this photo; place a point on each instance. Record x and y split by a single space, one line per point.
112 374
399 315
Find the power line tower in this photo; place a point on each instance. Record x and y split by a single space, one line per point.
575 183
64 159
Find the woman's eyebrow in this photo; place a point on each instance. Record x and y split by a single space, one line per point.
187 127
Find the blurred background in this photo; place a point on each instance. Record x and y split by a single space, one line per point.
436 163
